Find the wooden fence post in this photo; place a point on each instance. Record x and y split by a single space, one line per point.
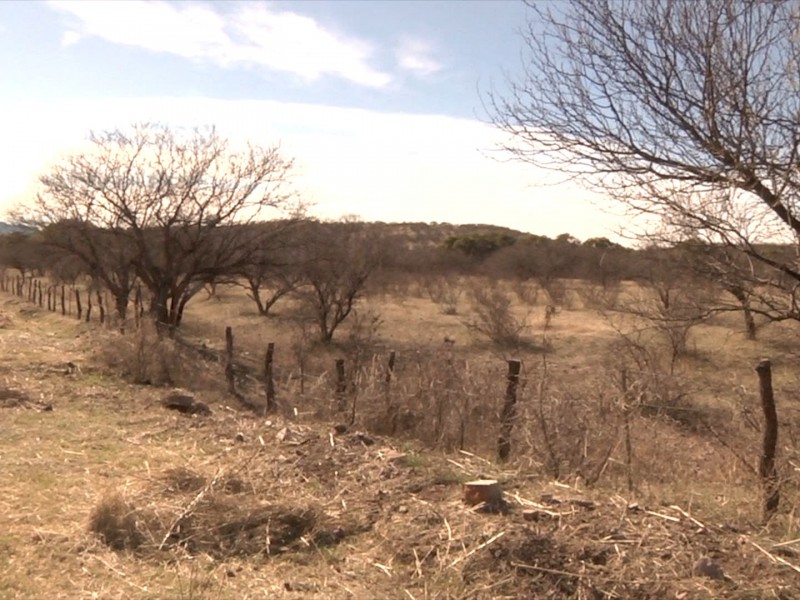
391 407
229 372
509 411
88 305
39 293
137 306
341 386
766 466
78 307
100 307
269 382
63 300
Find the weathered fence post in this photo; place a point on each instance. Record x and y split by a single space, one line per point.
390 368
626 416
78 307
229 372
766 466
39 293
341 386
137 306
101 307
391 407
269 383
509 411
63 300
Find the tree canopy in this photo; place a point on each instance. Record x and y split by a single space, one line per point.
165 206
687 112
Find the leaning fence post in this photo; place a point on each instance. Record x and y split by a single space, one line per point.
269 382
509 411
766 466
341 386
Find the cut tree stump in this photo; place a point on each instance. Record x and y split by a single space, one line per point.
483 491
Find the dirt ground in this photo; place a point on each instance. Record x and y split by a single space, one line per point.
108 495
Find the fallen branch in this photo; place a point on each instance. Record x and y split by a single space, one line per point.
774 558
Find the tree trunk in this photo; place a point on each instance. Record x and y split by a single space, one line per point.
744 300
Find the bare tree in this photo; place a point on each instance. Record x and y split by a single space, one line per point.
688 112
106 255
23 252
274 269
178 200
340 258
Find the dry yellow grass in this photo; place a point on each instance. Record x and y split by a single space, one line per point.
380 526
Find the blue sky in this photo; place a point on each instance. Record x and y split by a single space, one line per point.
379 102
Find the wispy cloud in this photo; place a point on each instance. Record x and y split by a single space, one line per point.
246 35
415 55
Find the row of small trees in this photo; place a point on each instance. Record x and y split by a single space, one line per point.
174 212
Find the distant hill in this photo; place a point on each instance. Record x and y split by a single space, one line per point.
434 234
6 228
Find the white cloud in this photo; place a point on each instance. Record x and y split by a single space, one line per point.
70 38
249 34
414 55
387 167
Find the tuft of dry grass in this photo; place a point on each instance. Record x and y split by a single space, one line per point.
115 521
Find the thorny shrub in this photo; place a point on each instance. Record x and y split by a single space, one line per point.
494 317
445 292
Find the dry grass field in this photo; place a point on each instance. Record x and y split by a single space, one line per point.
108 495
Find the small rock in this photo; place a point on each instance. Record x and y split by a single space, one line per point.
363 438
186 404
705 567
549 499
536 515
582 503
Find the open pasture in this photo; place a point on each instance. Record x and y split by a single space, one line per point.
109 495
